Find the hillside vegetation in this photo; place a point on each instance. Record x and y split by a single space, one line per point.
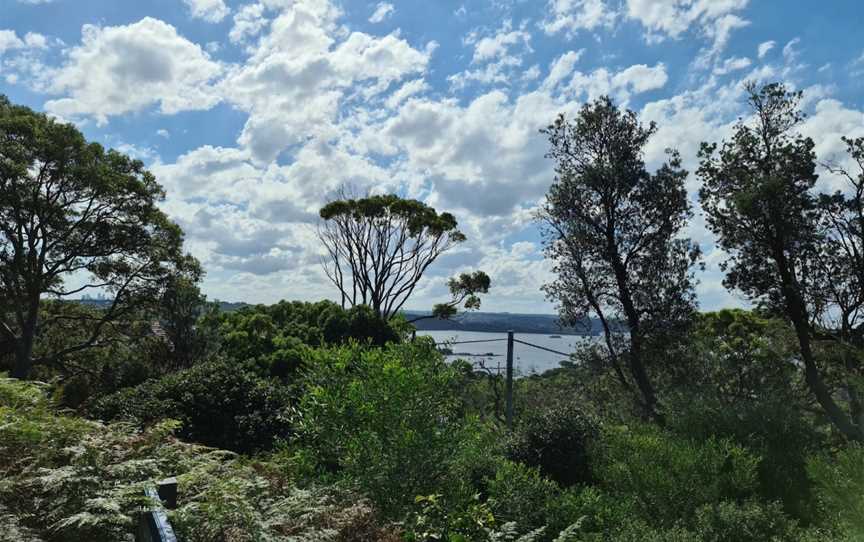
330 421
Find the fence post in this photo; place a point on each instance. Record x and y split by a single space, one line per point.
510 379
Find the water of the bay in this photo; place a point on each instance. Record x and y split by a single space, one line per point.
493 354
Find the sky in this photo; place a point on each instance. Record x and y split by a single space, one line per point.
253 113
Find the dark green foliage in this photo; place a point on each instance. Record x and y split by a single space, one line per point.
386 418
555 439
614 233
668 477
839 484
741 384
465 290
780 435
65 479
747 522
519 493
69 207
758 196
217 404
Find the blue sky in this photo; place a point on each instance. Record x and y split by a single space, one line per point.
252 113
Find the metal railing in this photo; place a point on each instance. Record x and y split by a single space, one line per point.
509 375
153 525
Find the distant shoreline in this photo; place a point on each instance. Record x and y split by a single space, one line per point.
489 322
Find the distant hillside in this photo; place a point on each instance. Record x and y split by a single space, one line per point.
503 321
226 306
497 322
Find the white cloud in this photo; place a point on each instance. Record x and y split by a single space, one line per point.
561 67
248 22
383 11
570 16
620 85
212 11
715 19
301 73
407 90
765 47
122 69
790 52
499 44
9 40
497 55
641 78
531 73
732 64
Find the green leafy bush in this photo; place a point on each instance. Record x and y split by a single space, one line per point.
746 522
387 418
781 436
519 493
669 477
839 484
554 439
217 403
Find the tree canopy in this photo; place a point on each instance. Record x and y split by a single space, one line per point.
378 248
613 231
759 199
74 218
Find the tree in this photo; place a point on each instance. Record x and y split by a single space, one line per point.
378 248
464 291
758 197
73 218
613 231
180 308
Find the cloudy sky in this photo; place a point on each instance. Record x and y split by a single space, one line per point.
252 113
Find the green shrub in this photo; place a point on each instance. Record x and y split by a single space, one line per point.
386 418
839 484
747 522
555 440
589 512
217 403
519 493
669 477
776 431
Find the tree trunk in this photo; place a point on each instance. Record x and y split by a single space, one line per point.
23 362
24 343
797 312
637 366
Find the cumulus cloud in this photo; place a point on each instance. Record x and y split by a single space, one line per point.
491 146
765 47
211 11
122 69
621 85
732 64
715 19
495 56
302 72
248 22
326 106
9 40
571 16
383 11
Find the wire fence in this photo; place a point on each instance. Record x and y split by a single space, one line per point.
515 340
